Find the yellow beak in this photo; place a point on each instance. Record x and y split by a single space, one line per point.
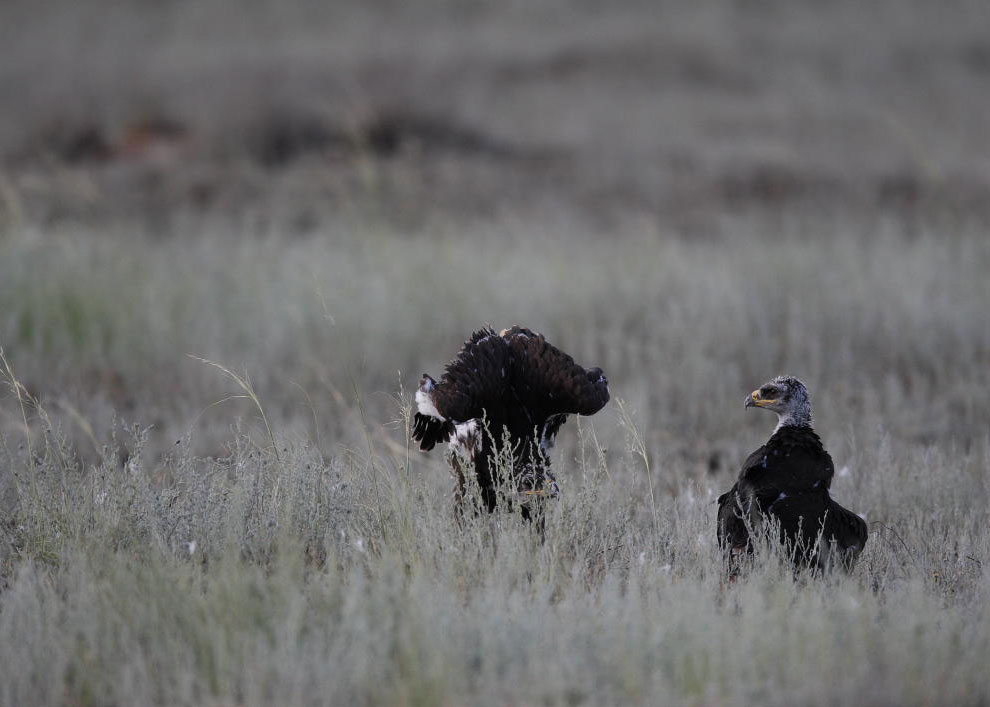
754 400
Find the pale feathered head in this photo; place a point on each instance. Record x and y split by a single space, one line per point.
785 395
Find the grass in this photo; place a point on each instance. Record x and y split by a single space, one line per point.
694 198
258 561
874 324
188 580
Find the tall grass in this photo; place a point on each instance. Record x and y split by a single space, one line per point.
190 553
885 330
693 196
309 580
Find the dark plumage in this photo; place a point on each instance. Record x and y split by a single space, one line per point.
505 391
788 478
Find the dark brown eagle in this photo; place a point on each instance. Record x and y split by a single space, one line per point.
788 479
505 394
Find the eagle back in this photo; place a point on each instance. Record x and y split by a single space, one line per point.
472 385
792 461
546 381
517 382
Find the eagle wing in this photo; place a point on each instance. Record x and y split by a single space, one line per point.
847 529
805 516
548 380
472 384
429 431
732 530
785 480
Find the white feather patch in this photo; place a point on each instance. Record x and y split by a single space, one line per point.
466 438
425 406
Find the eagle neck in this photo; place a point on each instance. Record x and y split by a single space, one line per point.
793 421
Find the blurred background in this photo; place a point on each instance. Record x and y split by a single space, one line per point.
329 197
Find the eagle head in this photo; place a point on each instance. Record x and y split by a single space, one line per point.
785 395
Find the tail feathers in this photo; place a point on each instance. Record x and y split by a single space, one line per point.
430 431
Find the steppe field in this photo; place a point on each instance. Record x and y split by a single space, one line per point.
233 235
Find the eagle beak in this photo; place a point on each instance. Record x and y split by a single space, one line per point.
754 400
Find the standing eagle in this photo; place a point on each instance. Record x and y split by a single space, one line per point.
788 479
505 395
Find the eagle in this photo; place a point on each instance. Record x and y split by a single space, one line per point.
499 404
788 479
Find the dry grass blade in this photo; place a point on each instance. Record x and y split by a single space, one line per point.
245 384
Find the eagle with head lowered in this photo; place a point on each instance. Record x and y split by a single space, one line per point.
788 479
508 391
